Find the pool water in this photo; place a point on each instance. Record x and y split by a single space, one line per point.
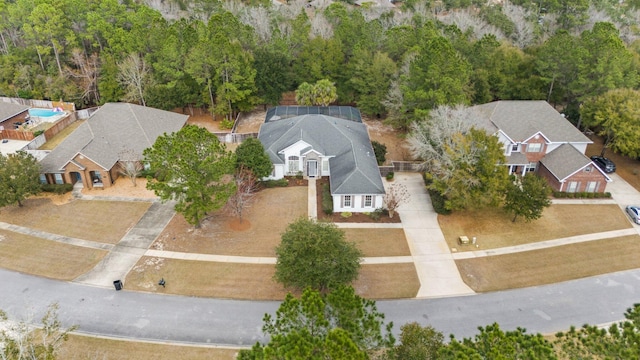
44 112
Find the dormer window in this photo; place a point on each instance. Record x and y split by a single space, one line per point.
515 147
535 147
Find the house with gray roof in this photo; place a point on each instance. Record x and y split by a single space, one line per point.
317 145
537 138
11 113
90 154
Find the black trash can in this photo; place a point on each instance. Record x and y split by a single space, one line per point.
117 284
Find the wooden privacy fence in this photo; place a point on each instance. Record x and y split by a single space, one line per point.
401 166
232 138
59 125
16 135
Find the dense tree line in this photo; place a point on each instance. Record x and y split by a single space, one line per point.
386 61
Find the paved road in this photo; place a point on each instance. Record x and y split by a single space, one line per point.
134 315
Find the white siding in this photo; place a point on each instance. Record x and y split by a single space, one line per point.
356 203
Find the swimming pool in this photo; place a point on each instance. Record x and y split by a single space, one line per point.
44 112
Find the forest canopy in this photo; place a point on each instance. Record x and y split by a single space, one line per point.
397 60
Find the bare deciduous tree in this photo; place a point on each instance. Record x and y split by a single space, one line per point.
396 195
246 187
259 19
467 19
130 164
87 69
524 34
321 27
20 341
133 77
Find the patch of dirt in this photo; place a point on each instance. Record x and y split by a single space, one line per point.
355 217
203 118
250 122
237 225
391 138
123 187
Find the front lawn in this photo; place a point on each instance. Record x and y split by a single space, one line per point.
493 227
255 281
46 258
548 266
100 221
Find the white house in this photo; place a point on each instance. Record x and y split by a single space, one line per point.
325 141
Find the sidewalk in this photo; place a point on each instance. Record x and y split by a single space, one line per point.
435 265
125 254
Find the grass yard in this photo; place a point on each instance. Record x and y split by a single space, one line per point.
255 281
100 221
493 227
56 140
547 266
379 242
267 218
80 347
46 258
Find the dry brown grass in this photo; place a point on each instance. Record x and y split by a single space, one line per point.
46 258
379 242
100 221
80 347
493 227
56 140
271 212
255 281
547 266
388 136
387 281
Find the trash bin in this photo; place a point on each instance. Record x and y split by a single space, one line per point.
117 284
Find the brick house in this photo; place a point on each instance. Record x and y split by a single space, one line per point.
89 155
538 139
12 113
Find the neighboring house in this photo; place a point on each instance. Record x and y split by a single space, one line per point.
12 114
538 139
325 141
90 154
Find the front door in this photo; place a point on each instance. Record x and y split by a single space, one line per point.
76 177
312 168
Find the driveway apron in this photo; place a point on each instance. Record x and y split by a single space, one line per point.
126 253
436 268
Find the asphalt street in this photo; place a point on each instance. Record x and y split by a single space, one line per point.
135 315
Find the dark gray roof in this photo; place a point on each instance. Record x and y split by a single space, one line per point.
564 161
8 110
111 129
285 112
521 119
517 158
354 169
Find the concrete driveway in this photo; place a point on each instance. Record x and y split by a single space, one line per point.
436 268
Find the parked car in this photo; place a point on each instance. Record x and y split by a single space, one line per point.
604 163
634 212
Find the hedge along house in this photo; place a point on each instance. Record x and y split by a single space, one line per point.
328 141
536 138
90 154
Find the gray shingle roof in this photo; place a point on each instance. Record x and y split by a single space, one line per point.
564 161
114 127
8 110
521 119
354 169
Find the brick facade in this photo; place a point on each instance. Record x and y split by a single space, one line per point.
581 178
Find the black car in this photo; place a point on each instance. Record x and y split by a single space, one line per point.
604 163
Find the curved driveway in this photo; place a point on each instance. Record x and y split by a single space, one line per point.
97 310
